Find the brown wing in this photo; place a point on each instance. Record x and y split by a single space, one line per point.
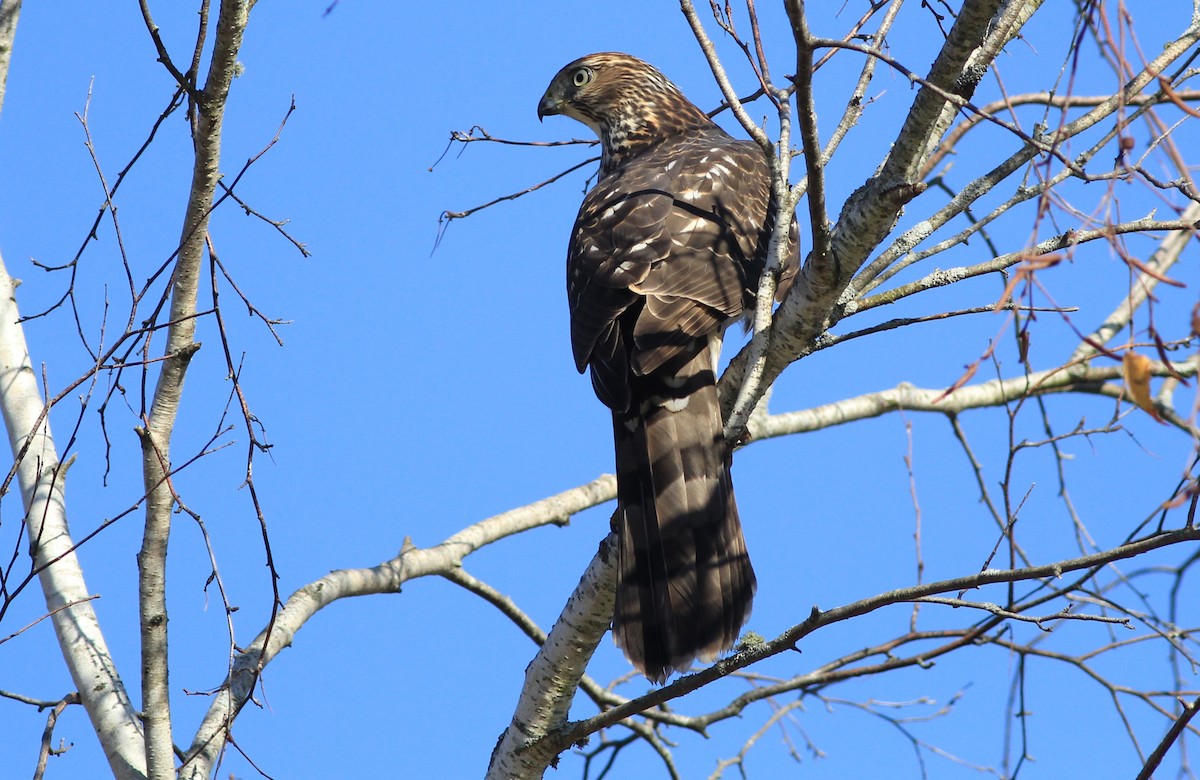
660 256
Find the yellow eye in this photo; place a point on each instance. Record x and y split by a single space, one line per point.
581 77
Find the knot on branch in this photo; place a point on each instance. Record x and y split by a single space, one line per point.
900 195
184 353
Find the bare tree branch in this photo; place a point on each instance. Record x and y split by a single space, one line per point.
554 674
159 422
10 12
858 262
574 732
1170 738
387 577
870 213
48 734
41 478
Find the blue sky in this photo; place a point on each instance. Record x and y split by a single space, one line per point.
419 391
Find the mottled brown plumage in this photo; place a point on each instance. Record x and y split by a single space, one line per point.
666 251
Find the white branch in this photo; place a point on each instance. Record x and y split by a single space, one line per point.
871 212
10 11
553 676
41 479
1071 378
387 577
1167 254
180 346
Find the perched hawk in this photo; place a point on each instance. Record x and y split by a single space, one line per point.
666 251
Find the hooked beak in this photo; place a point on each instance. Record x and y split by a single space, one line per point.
549 105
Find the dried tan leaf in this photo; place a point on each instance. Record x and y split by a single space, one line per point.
1137 380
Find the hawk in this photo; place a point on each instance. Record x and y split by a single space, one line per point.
666 252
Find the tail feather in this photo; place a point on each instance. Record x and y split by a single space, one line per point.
686 583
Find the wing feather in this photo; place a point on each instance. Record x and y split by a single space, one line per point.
669 238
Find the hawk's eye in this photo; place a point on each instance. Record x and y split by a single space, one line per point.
581 77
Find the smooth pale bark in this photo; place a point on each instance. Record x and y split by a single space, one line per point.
388 577
553 676
156 436
10 11
41 478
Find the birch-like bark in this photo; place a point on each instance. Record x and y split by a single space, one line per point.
885 264
871 212
982 395
387 577
41 477
10 11
553 676
818 619
1167 254
181 345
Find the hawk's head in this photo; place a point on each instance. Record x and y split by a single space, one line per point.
628 103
